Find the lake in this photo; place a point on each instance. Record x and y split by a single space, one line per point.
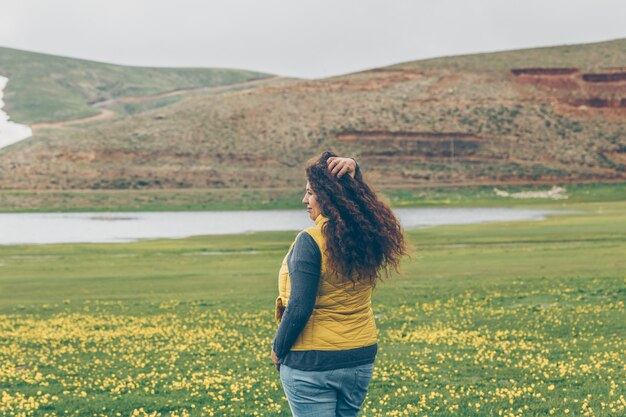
42 228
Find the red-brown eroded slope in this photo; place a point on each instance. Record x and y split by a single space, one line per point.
571 87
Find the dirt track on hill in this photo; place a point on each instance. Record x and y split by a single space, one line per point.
200 90
106 114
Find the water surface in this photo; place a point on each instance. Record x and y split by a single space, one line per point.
41 228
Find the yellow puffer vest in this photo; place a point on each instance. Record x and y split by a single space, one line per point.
342 317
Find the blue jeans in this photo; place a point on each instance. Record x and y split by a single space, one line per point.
334 393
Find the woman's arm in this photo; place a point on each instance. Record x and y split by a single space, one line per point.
304 262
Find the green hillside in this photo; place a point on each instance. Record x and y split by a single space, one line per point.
45 88
591 56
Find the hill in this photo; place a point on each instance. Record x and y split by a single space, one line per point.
545 115
45 88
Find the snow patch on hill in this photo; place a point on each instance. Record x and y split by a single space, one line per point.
10 132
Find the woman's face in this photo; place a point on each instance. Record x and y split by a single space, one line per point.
310 199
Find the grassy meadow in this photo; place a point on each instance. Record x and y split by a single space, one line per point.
289 198
503 319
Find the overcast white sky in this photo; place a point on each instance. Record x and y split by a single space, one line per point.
300 38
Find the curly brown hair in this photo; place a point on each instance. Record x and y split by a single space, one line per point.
364 239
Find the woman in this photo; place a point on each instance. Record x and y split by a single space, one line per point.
326 341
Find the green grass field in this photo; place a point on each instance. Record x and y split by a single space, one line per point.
504 319
287 198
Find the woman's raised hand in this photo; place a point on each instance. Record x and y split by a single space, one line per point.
339 166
